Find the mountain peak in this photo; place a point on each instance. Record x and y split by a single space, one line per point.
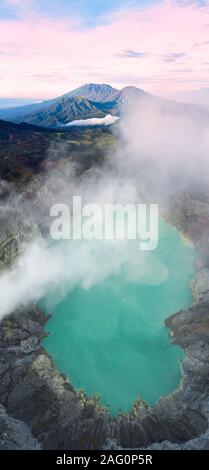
94 92
130 94
132 89
99 86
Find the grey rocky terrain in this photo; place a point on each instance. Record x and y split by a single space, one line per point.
14 434
16 229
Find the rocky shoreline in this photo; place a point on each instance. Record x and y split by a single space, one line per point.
41 409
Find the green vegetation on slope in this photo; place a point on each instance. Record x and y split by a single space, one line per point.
24 149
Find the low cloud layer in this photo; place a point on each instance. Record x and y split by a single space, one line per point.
105 121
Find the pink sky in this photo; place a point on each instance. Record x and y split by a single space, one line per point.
163 48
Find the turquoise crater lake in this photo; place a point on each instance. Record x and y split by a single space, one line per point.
110 338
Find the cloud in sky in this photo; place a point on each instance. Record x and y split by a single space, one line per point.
173 56
131 54
44 55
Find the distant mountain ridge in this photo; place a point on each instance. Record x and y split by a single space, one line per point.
12 102
90 101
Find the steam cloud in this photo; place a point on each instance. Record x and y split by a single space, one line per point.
159 152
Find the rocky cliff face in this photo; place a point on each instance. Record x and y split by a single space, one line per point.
16 229
39 401
14 434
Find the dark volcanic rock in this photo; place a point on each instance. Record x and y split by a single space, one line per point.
14 434
31 388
